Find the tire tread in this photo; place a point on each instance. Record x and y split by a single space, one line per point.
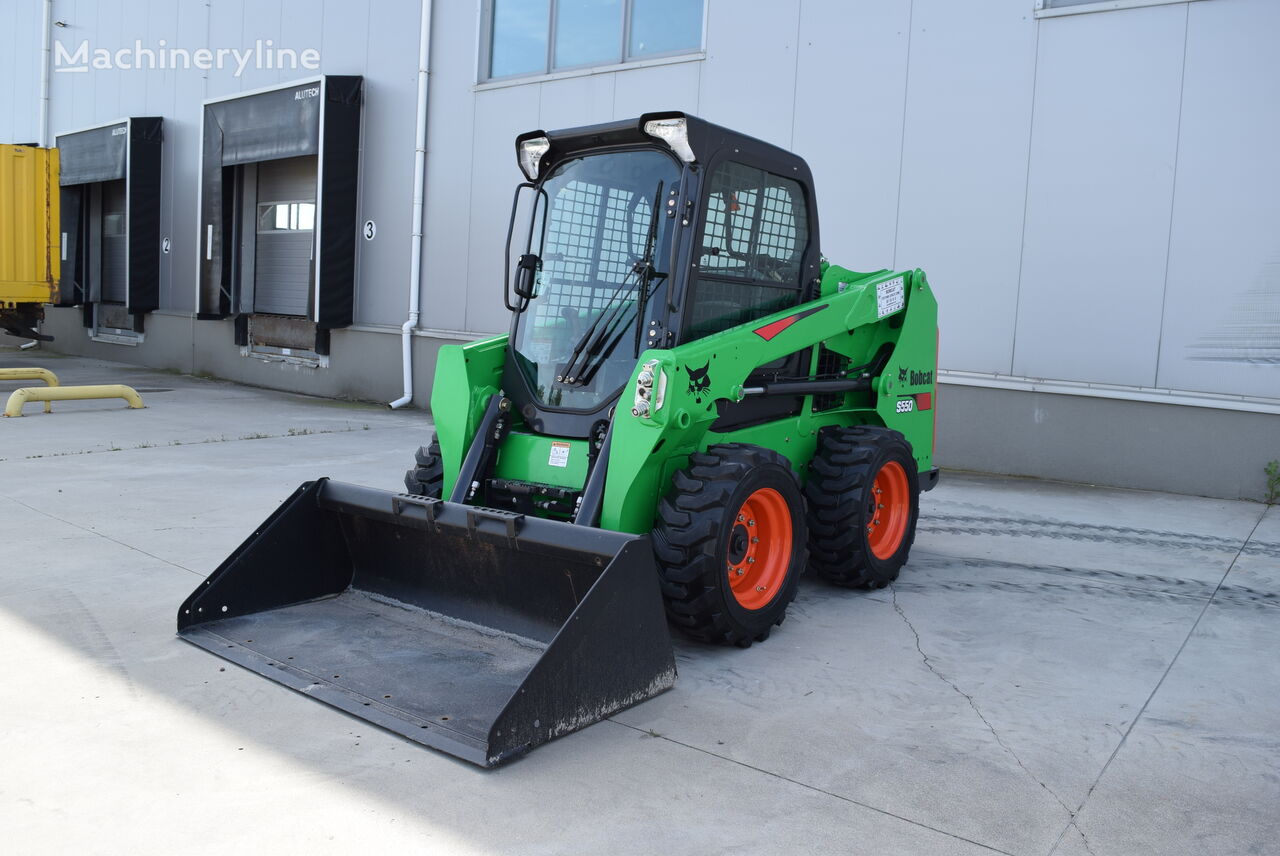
426 478
686 544
841 471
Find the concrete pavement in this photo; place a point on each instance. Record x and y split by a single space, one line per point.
1060 670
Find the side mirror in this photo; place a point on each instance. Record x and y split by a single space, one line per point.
529 264
527 270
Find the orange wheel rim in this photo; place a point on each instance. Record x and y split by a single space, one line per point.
888 509
759 549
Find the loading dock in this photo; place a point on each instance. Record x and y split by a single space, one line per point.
278 181
110 182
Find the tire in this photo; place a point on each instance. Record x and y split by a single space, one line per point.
718 584
427 477
851 543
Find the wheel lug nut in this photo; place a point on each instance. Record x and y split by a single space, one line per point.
751 560
739 518
761 588
755 540
741 571
751 523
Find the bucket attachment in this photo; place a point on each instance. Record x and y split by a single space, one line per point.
479 632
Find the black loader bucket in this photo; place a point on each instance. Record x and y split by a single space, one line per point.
478 632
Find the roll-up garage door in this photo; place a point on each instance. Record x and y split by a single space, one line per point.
115 243
285 236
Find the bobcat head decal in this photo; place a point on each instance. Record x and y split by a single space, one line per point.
699 382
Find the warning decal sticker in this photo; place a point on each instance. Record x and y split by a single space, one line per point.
559 454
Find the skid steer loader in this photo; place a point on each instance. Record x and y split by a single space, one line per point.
691 406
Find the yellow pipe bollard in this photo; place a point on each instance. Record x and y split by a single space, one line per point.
70 393
32 374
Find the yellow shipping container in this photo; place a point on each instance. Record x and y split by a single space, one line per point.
30 240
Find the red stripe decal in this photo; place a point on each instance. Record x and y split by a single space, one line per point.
769 331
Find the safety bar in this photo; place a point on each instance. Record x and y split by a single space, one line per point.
70 393
45 375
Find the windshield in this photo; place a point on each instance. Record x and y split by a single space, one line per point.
583 316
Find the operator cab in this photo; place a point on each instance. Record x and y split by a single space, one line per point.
640 234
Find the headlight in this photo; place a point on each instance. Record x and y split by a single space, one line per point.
651 389
531 152
675 132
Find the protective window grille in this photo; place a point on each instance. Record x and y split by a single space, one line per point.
720 305
830 364
594 236
571 233
756 226
753 243
620 245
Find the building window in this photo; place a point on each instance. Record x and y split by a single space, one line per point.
1054 8
287 217
525 37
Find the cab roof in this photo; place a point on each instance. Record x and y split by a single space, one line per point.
706 139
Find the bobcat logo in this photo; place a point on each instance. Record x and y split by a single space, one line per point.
902 375
699 383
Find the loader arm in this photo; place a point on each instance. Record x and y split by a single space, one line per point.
467 376
854 321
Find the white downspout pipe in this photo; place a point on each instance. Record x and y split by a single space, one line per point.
419 179
46 50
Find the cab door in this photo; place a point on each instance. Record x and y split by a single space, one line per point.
752 257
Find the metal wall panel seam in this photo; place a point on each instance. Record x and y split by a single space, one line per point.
1173 194
1026 201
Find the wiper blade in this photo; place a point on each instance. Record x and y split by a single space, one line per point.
589 338
596 360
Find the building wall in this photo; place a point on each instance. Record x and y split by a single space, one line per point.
1094 196
20 60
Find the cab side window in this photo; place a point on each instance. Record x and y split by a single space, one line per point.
752 249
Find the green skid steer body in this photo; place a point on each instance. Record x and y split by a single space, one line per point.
690 408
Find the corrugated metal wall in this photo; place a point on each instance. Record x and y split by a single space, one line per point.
20 62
